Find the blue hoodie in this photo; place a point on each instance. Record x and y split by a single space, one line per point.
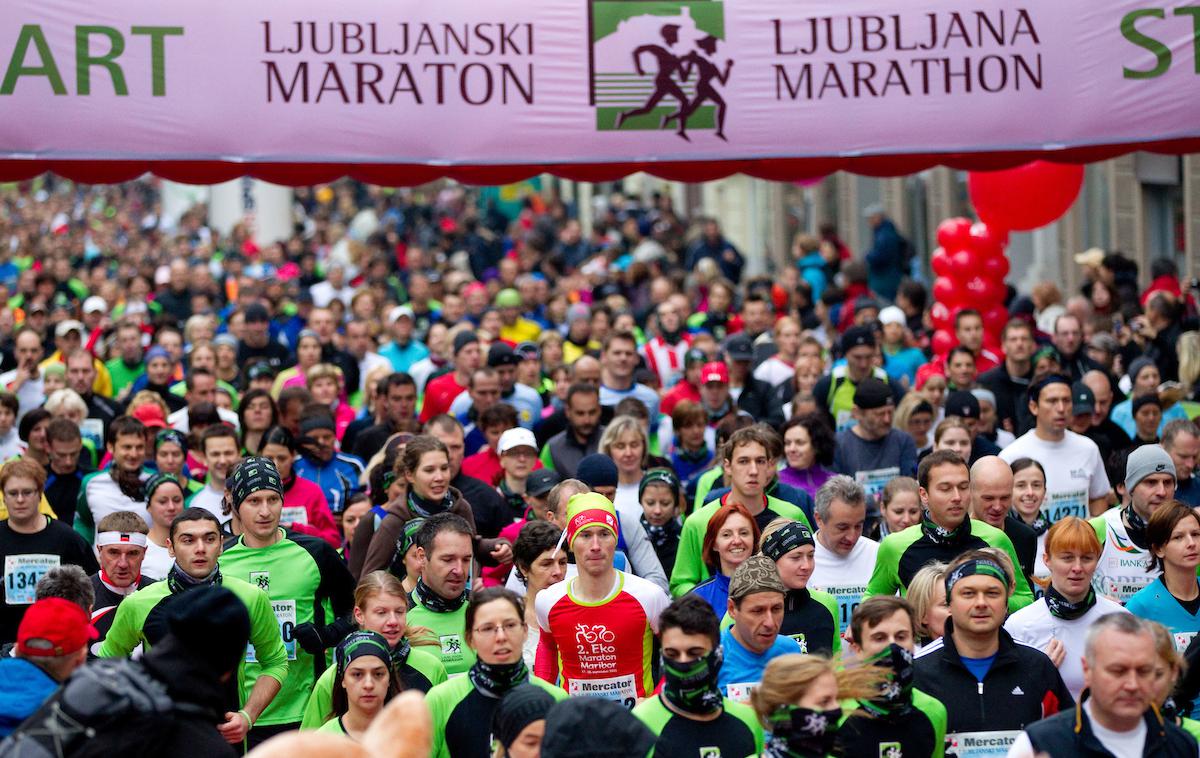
25 688
812 268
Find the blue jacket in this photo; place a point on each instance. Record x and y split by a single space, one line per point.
25 688
885 260
716 592
812 268
338 479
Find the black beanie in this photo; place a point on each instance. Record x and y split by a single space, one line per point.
518 709
213 624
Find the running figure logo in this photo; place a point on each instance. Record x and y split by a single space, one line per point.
657 66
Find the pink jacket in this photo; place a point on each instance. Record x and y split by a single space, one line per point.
306 511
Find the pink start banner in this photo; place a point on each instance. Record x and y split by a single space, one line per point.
469 83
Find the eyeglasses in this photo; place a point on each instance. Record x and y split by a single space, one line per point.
489 630
19 494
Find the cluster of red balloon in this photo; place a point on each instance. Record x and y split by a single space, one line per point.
970 267
970 264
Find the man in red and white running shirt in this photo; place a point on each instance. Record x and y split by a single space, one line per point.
597 629
665 351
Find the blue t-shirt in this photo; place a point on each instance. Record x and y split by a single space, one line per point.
979 667
1156 603
743 668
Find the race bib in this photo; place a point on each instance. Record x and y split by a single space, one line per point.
739 692
1123 575
21 575
285 616
293 514
1059 505
875 480
622 689
848 597
980 744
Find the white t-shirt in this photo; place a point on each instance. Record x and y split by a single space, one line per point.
1035 626
844 577
1074 472
1129 744
210 500
157 562
626 502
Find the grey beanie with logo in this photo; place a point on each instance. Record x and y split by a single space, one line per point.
1146 461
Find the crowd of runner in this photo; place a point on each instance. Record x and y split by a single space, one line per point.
592 491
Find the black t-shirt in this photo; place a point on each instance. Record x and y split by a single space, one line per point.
808 622
685 738
24 558
273 353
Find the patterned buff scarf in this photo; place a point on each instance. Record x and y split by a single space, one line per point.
1135 527
1040 525
426 508
692 687
400 653
659 535
179 580
896 690
940 535
802 732
495 679
436 602
1062 608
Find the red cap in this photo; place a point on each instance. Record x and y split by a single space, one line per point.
53 627
150 415
714 371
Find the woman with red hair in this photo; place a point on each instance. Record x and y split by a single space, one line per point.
732 537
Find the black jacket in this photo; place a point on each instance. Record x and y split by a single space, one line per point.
1021 687
1069 733
201 702
1010 395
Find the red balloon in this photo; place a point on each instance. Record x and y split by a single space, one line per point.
942 342
1026 197
988 241
994 319
940 315
983 292
946 291
994 268
939 261
962 265
954 233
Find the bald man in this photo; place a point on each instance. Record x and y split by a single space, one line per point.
991 501
1106 433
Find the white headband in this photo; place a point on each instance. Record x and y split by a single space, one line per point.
121 538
